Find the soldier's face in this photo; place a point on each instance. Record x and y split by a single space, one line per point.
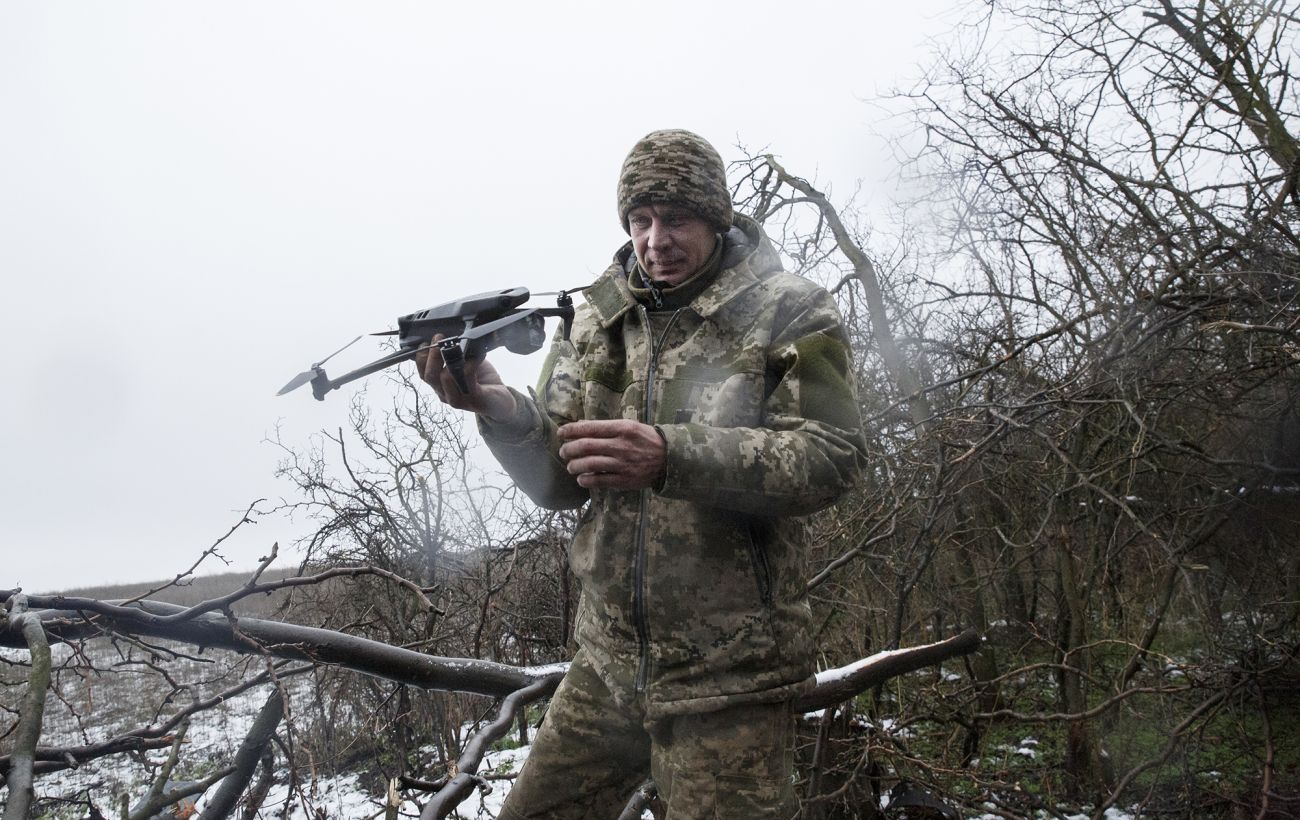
672 242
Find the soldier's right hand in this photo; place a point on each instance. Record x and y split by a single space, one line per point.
487 395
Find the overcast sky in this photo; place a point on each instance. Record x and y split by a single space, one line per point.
198 200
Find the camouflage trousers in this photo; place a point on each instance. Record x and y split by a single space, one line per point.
592 752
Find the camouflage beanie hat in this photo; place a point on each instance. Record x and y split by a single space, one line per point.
679 167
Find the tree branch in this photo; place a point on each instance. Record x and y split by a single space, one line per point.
28 625
283 640
838 685
250 751
459 786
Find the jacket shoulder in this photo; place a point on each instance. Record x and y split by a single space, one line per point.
788 285
792 296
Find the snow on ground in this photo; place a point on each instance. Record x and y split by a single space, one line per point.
214 735
335 797
112 704
1026 748
488 804
212 740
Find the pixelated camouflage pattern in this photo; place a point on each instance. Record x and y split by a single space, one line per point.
753 391
592 752
675 166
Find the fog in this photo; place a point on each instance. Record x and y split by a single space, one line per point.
199 200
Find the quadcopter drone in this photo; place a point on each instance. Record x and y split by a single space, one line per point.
470 328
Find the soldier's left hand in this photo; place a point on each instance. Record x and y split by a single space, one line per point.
618 454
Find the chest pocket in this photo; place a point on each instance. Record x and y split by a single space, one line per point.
606 393
712 396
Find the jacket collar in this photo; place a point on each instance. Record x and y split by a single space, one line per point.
748 258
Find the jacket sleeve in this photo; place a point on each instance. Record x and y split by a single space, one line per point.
528 447
810 448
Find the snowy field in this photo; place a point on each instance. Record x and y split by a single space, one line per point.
214 735
103 703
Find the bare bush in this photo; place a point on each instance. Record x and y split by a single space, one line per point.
1080 382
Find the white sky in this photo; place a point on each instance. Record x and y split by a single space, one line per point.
198 200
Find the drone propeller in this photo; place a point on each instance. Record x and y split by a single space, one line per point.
307 375
297 381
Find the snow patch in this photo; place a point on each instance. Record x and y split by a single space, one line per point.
843 672
547 670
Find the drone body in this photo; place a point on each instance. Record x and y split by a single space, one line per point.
469 328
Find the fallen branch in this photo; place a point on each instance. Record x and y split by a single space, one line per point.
250 751
517 685
323 646
159 796
833 686
639 801
460 785
28 625
284 640
838 685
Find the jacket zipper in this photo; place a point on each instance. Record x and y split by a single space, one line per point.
639 562
758 561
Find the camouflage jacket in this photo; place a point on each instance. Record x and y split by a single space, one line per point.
693 593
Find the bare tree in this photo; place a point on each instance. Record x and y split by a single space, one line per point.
1079 375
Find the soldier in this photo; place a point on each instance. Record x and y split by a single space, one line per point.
704 404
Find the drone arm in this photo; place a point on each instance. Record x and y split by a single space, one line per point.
563 310
319 390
